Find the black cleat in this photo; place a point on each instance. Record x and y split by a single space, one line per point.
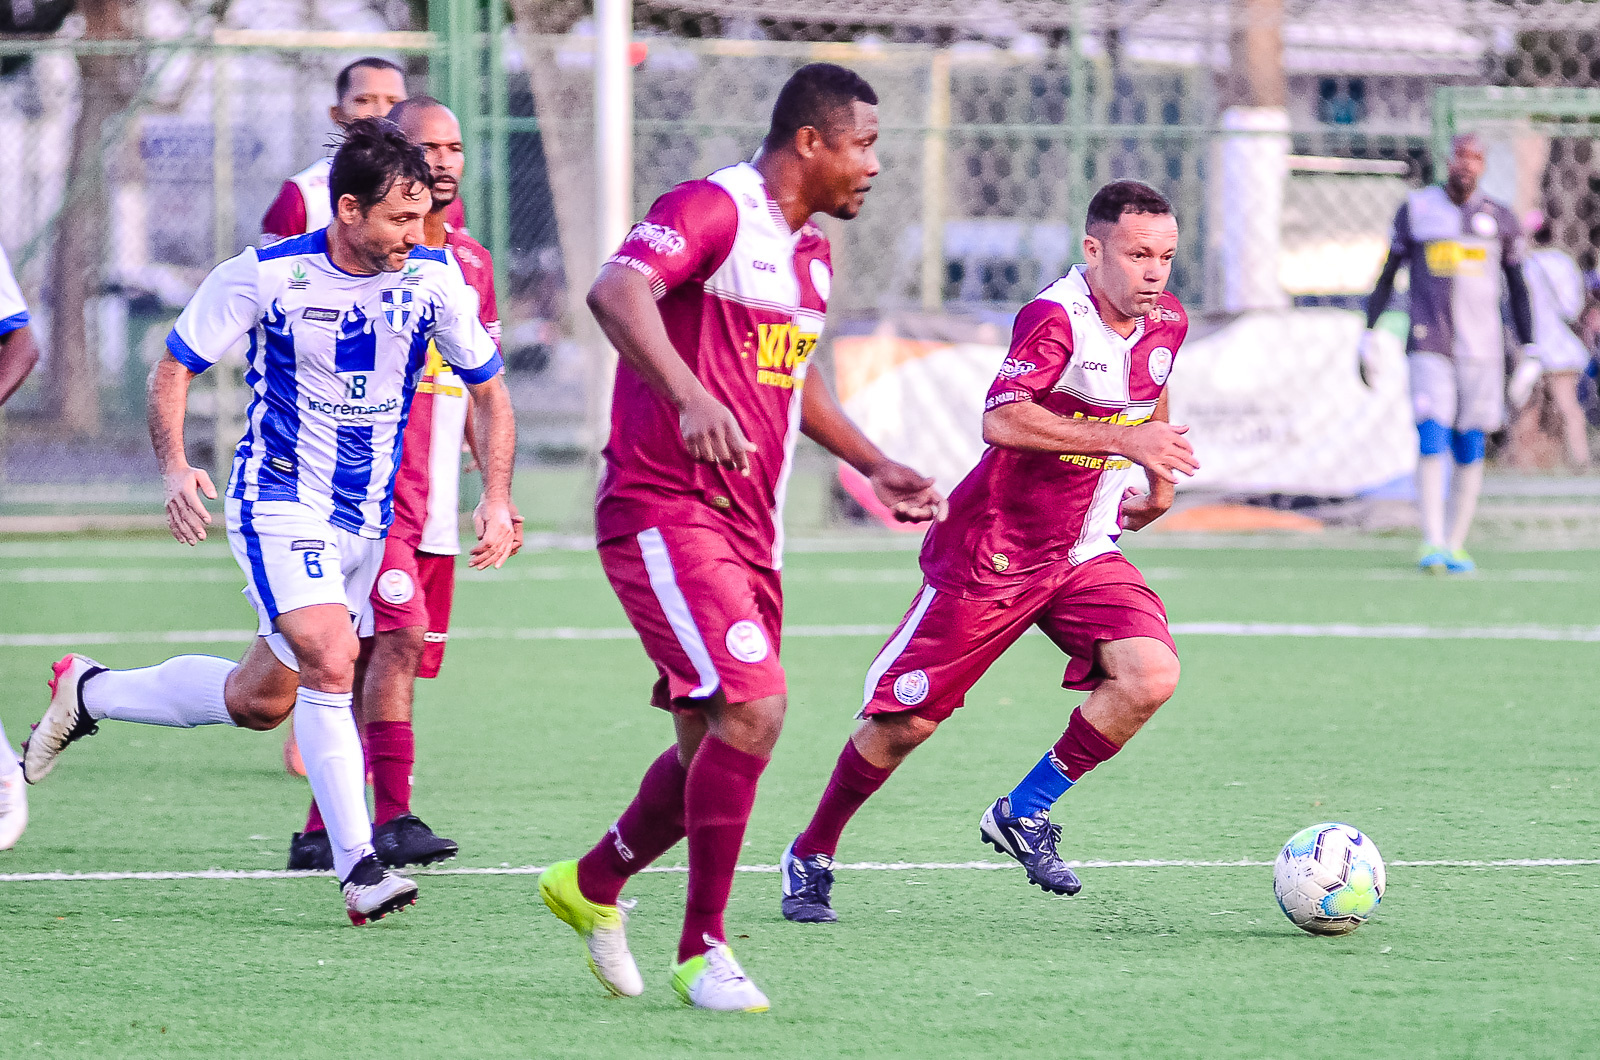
807 885
311 852
407 841
1032 841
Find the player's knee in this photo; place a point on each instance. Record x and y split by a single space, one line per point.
331 664
1155 678
403 646
1433 438
259 713
903 733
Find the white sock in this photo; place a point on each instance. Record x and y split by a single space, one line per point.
8 757
1430 498
181 692
1464 496
330 746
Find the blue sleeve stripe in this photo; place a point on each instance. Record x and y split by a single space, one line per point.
13 322
428 253
484 372
184 355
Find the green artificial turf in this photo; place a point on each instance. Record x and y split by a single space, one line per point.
1457 750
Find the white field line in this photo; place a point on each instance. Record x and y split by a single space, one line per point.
857 866
909 575
1577 634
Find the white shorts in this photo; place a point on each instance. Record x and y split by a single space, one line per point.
294 558
1461 393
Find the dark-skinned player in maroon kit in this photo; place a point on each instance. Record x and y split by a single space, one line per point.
714 303
1079 402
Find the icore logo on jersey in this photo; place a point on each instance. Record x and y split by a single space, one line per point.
1094 366
398 305
765 266
659 238
746 642
911 688
1160 365
1158 314
395 586
1010 368
298 280
821 278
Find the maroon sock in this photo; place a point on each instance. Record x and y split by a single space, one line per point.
717 799
853 782
650 826
1081 747
314 819
391 755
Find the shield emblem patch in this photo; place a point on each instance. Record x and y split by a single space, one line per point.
398 305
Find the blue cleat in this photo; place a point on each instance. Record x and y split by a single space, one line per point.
1032 841
1435 559
1458 562
807 883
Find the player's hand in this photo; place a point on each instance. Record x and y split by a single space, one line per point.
187 516
516 530
498 535
1161 448
712 434
1367 356
1139 510
1523 379
907 493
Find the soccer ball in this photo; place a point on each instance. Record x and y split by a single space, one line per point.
1328 879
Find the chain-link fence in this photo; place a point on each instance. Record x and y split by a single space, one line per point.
996 127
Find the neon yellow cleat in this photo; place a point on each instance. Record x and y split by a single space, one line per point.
715 981
602 928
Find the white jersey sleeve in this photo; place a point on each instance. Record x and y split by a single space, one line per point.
13 310
459 334
222 311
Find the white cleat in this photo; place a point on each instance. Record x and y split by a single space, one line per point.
715 981
65 720
372 892
13 805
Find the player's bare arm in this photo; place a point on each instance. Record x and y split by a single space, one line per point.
18 355
906 492
495 518
1139 510
187 516
1155 445
621 301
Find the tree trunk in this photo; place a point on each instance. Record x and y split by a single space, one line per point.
106 87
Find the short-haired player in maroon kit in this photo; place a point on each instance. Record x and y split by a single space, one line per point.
714 303
407 621
1031 541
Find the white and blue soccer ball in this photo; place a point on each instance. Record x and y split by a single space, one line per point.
1329 879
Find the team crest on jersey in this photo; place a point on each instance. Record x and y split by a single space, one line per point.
398 306
911 688
746 642
1160 365
1484 225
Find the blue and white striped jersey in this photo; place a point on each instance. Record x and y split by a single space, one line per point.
13 310
334 361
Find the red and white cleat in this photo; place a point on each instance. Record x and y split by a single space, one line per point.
65 720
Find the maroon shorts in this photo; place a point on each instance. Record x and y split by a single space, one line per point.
414 589
945 643
709 620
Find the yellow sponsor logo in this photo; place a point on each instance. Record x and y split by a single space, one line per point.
432 369
1103 463
1446 257
781 347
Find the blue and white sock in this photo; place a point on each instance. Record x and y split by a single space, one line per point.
1039 790
182 692
330 746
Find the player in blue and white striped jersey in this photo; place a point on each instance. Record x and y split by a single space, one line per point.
339 323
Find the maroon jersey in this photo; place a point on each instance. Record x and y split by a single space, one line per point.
427 483
303 205
1018 515
743 299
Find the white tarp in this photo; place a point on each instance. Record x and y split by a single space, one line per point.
1273 403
